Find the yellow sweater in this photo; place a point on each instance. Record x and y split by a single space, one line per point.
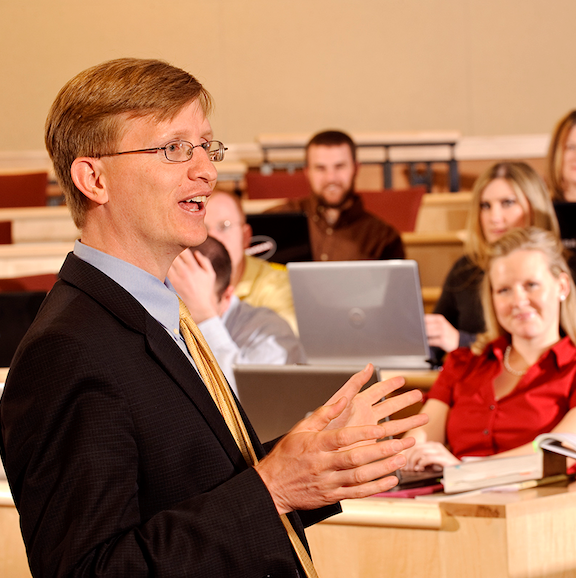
265 284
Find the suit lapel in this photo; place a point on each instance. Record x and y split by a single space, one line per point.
131 313
175 364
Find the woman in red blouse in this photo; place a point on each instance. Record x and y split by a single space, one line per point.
519 378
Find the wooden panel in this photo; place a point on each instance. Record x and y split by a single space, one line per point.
525 534
435 254
32 259
440 212
39 224
366 552
13 561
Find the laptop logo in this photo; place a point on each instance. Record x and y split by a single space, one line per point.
357 317
262 246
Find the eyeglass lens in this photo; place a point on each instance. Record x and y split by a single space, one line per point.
180 151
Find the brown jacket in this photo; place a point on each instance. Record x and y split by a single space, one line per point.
356 235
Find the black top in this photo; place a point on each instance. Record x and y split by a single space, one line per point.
460 302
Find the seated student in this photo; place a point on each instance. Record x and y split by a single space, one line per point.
340 228
519 379
236 332
505 196
255 281
562 160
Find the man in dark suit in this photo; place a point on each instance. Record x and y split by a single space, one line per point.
119 460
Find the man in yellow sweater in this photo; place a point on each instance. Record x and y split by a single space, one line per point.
258 282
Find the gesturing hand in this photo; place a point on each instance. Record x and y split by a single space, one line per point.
334 453
365 407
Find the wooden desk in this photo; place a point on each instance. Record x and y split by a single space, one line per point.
231 171
520 534
32 258
443 212
430 296
415 378
435 253
257 206
13 561
40 224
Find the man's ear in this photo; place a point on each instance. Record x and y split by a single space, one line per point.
87 176
224 303
246 235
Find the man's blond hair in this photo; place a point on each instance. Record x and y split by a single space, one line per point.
87 118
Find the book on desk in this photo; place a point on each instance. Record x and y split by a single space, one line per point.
547 461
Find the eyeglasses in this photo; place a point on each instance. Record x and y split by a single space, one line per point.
223 226
180 151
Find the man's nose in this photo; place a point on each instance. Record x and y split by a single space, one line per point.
201 167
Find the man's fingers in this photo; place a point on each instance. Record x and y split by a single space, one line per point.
203 261
367 479
398 426
361 455
350 447
353 385
322 416
186 257
336 439
395 403
381 389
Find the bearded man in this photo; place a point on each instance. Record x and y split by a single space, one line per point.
340 228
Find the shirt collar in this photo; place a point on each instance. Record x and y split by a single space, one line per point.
159 299
233 304
563 351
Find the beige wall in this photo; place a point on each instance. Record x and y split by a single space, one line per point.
483 67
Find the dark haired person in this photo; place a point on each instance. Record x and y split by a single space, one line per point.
340 228
236 332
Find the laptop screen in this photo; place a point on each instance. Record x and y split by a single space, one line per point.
277 397
355 312
280 237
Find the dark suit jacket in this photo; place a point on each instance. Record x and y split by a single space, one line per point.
119 461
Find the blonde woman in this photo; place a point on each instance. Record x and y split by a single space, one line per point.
506 196
562 160
519 378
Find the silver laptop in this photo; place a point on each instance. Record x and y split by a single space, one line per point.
276 397
355 312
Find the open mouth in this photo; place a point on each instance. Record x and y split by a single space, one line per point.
194 204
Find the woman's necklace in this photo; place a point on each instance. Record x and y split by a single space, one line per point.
507 365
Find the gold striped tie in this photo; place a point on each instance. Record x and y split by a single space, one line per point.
219 390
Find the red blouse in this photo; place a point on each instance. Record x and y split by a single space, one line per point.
480 425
